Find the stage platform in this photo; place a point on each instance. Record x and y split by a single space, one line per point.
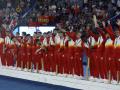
63 82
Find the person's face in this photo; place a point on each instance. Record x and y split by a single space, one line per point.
107 35
29 37
118 22
23 34
117 33
30 19
14 39
78 35
34 35
44 34
9 35
54 31
61 35
97 12
17 34
88 27
39 34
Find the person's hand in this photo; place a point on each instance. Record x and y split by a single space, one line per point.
108 22
118 22
97 25
95 21
94 18
103 23
37 51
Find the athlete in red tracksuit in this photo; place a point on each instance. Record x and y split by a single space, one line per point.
29 55
57 52
78 67
116 71
38 57
100 54
71 52
23 59
94 64
15 52
64 55
9 54
34 55
109 53
45 55
2 51
51 55
90 53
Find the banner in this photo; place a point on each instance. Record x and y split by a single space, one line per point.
43 20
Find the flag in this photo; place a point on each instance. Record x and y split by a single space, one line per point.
13 24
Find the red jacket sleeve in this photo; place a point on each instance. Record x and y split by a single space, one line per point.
72 35
93 35
3 34
101 32
110 32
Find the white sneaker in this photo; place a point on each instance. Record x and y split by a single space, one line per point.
29 70
6 67
60 75
14 68
92 78
19 68
100 80
47 73
114 82
105 81
70 76
10 67
41 71
35 71
118 83
64 75
75 76
25 69
81 77
51 73
97 79
78 77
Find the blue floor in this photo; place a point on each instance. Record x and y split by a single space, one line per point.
7 83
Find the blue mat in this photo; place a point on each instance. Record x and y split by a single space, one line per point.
8 83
